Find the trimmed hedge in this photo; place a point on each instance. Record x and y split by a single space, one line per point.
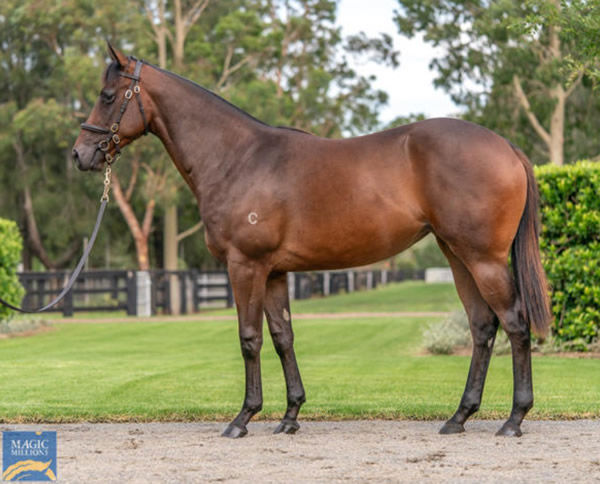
570 244
10 255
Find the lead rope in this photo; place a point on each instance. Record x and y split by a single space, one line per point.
86 253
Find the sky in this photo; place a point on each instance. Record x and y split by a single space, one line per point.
409 86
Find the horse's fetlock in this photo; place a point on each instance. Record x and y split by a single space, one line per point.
295 400
523 401
253 406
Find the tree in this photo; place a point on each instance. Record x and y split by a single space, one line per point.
500 68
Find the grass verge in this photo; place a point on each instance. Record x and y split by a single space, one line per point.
363 368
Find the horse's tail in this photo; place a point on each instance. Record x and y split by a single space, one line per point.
529 274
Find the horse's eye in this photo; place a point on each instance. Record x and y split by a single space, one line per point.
107 97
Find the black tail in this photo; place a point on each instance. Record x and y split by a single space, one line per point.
527 265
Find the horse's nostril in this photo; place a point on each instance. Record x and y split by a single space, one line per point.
76 159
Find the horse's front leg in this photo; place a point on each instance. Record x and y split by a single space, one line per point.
248 281
277 309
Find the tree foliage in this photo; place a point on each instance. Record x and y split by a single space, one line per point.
516 67
10 255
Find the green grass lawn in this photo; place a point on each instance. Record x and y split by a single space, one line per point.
363 368
398 297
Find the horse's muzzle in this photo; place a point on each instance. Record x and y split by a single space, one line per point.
85 160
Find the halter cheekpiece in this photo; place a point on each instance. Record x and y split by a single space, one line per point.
112 132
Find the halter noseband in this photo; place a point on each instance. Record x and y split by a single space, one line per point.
134 88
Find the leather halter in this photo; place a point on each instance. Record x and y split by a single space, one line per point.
112 132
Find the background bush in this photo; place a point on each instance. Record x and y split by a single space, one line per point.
570 207
10 255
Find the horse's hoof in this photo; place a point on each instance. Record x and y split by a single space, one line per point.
510 429
287 427
234 432
452 428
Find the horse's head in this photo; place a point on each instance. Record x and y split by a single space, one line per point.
121 114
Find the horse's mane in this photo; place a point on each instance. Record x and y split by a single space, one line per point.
210 93
291 128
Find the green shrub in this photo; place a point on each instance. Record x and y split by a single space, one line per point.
10 255
570 206
453 334
446 337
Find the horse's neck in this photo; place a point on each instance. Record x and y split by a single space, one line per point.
204 135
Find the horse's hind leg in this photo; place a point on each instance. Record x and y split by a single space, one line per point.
497 287
277 310
484 325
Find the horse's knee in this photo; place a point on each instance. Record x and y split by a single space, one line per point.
283 342
251 343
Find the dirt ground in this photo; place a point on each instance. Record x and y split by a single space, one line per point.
382 451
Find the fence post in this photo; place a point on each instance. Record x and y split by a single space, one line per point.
131 293
291 280
143 294
369 280
297 286
195 299
350 280
68 304
229 293
181 277
326 283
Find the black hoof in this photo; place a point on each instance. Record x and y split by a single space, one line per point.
510 429
287 427
234 432
452 428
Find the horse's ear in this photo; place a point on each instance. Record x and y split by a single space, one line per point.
116 54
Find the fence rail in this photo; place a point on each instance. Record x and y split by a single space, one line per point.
144 293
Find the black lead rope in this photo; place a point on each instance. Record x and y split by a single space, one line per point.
84 257
74 275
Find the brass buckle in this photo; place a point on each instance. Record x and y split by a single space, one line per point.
108 158
107 174
136 89
115 127
128 94
116 139
103 145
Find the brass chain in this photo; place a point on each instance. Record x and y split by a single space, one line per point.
107 174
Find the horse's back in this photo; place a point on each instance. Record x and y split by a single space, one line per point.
358 200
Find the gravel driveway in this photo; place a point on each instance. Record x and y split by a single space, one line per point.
388 451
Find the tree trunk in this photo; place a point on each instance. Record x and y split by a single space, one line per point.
557 126
553 138
139 232
557 121
170 255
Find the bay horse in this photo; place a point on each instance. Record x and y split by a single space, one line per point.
275 200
